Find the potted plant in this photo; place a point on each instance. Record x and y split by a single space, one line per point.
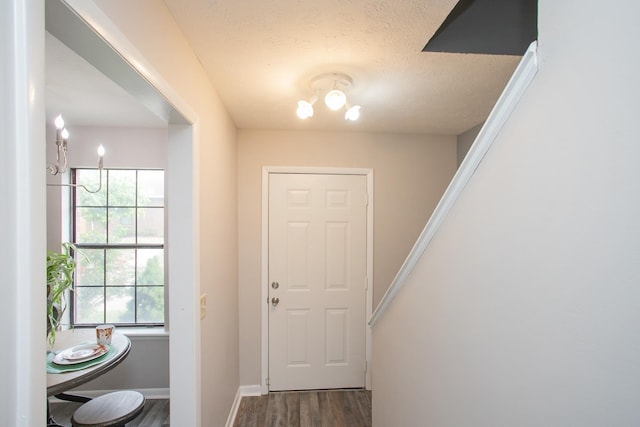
60 269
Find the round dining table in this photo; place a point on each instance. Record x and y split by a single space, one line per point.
58 383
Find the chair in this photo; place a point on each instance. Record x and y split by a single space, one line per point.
109 410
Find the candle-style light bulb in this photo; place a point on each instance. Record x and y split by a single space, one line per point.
59 122
100 161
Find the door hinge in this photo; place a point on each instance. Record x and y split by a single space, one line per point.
366 199
267 381
365 366
366 283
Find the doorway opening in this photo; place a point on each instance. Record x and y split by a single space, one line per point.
86 30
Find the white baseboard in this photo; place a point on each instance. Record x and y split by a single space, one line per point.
243 390
250 390
148 393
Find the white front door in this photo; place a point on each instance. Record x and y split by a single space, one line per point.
317 281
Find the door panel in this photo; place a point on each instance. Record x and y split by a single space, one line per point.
317 257
297 337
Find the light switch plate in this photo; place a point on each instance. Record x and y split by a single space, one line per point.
203 306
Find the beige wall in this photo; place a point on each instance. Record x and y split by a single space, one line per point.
465 141
524 311
150 27
410 174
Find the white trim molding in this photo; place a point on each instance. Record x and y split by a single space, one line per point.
97 31
243 390
515 88
266 170
23 220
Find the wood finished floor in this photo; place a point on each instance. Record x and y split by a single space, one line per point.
154 414
327 408
324 408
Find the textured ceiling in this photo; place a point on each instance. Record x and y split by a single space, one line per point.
261 56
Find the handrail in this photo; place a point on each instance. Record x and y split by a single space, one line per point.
513 91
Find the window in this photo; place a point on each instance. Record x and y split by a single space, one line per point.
119 233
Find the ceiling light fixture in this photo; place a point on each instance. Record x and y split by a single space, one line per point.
353 113
305 108
335 99
334 86
60 167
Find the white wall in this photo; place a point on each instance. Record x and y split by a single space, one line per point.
146 368
410 174
525 309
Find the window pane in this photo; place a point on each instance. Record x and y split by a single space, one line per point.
121 267
151 304
121 304
122 187
150 267
150 188
119 232
122 225
91 225
151 225
90 270
89 305
91 180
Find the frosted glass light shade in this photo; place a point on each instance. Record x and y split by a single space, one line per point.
305 109
335 99
353 113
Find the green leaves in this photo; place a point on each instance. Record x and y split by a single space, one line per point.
60 269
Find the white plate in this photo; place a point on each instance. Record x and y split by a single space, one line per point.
80 353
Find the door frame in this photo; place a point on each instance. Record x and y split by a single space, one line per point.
266 171
183 235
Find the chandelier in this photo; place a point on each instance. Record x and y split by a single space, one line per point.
60 166
333 86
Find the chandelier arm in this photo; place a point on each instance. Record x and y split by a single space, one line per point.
81 185
64 156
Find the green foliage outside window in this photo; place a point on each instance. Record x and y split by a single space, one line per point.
121 231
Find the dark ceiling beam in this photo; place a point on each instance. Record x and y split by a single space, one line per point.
497 27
